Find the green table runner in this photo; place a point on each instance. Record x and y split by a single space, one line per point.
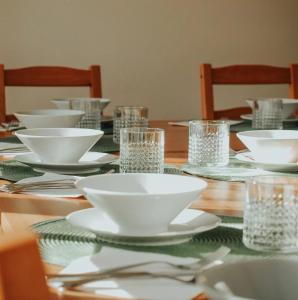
60 242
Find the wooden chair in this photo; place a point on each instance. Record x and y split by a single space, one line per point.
242 74
22 273
48 76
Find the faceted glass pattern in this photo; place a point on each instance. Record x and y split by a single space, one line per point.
127 117
141 150
208 143
271 214
267 114
92 109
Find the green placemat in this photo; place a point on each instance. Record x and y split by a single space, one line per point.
60 242
14 171
105 144
246 125
234 171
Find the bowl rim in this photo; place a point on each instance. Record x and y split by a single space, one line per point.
92 132
199 188
83 98
61 113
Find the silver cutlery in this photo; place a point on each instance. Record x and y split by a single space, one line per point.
68 183
14 149
181 270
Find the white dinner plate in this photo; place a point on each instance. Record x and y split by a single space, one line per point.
74 192
185 225
90 162
276 167
249 117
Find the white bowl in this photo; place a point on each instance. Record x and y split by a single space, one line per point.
59 145
290 107
141 204
266 279
66 103
278 146
49 118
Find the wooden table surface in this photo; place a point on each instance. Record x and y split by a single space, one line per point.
220 197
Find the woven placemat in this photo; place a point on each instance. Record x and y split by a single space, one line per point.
235 171
14 171
246 125
60 242
105 144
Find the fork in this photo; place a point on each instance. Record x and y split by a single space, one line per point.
68 183
14 149
186 270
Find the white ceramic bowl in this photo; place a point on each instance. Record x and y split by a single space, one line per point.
49 118
59 145
290 106
66 103
141 204
266 279
275 146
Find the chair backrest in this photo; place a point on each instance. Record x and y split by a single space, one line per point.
242 74
21 270
49 76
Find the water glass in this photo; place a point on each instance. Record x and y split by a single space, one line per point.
208 143
92 109
127 117
267 114
271 214
141 150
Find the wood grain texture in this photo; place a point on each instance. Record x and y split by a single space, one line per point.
48 76
241 74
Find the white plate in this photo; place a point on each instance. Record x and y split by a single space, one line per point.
52 192
90 162
249 117
185 225
276 167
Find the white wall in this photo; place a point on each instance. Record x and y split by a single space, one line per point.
149 50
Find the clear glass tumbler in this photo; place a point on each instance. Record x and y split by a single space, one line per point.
92 109
141 150
271 214
127 117
208 144
267 113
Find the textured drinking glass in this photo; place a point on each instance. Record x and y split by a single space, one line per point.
208 143
127 117
141 150
271 214
267 114
92 109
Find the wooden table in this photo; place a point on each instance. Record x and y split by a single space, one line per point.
220 197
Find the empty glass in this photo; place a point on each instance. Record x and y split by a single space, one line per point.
267 113
208 143
92 109
141 150
271 214
127 117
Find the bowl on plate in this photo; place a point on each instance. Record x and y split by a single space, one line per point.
258 278
49 118
59 145
67 102
290 107
141 204
278 146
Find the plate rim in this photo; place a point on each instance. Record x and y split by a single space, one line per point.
249 118
149 238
